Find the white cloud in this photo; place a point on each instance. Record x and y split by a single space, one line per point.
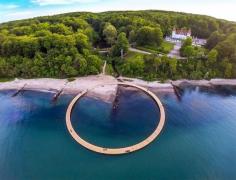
20 14
60 2
8 6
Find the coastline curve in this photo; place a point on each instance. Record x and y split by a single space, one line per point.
123 150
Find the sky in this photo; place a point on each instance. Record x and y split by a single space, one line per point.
22 9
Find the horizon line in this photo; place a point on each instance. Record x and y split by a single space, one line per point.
97 12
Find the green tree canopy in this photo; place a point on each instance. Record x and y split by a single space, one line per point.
214 39
212 57
122 43
149 36
110 33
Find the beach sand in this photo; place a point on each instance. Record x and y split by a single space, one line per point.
100 87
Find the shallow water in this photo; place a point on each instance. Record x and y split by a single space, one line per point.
197 142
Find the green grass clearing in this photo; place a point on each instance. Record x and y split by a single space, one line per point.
165 48
133 55
6 79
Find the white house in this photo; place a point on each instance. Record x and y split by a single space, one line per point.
181 34
178 35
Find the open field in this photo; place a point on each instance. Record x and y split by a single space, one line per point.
165 48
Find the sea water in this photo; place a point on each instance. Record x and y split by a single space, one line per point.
198 140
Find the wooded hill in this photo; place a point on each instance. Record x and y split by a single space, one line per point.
66 45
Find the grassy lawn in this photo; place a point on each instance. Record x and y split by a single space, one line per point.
132 55
165 48
6 79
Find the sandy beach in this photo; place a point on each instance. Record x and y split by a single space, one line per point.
101 85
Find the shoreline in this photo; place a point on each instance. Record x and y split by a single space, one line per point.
106 93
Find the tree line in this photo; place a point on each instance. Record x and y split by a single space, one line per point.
66 45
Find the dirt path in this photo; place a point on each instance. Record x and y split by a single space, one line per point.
138 51
175 52
104 68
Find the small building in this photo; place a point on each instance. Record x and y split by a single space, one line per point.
181 34
199 42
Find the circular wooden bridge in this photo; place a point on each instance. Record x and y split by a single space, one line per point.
123 150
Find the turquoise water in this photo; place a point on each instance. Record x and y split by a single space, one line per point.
197 142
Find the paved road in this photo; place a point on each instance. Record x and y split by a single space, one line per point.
174 53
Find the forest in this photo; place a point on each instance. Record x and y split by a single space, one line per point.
69 45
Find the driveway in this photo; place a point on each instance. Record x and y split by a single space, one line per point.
175 52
